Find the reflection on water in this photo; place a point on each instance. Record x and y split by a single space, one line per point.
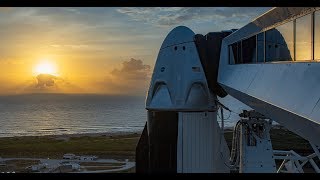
48 114
54 114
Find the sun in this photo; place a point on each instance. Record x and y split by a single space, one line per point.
45 67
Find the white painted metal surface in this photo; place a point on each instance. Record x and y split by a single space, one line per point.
256 153
201 148
179 84
287 92
178 81
293 162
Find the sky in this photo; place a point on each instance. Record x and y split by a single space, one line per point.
101 50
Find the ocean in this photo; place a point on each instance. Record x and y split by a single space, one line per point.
57 114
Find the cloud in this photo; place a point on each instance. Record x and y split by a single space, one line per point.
47 83
132 78
78 32
179 15
45 80
132 70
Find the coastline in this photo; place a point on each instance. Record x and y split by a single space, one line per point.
61 136
118 133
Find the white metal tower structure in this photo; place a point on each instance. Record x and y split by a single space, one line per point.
271 65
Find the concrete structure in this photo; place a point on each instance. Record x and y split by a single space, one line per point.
68 167
88 158
70 156
38 167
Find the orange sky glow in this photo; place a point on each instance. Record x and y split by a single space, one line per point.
95 50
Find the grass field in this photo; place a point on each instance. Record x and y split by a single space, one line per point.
118 147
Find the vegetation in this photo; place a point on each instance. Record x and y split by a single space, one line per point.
120 147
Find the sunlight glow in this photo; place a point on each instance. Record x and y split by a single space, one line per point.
45 67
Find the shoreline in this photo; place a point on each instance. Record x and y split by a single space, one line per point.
63 136
118 133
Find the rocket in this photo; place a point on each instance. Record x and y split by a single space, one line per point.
182 134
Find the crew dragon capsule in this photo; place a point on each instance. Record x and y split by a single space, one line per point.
182 133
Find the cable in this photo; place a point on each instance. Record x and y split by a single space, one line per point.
226 108
235 151
226 118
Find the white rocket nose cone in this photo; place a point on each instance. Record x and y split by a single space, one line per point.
178 80
178 35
